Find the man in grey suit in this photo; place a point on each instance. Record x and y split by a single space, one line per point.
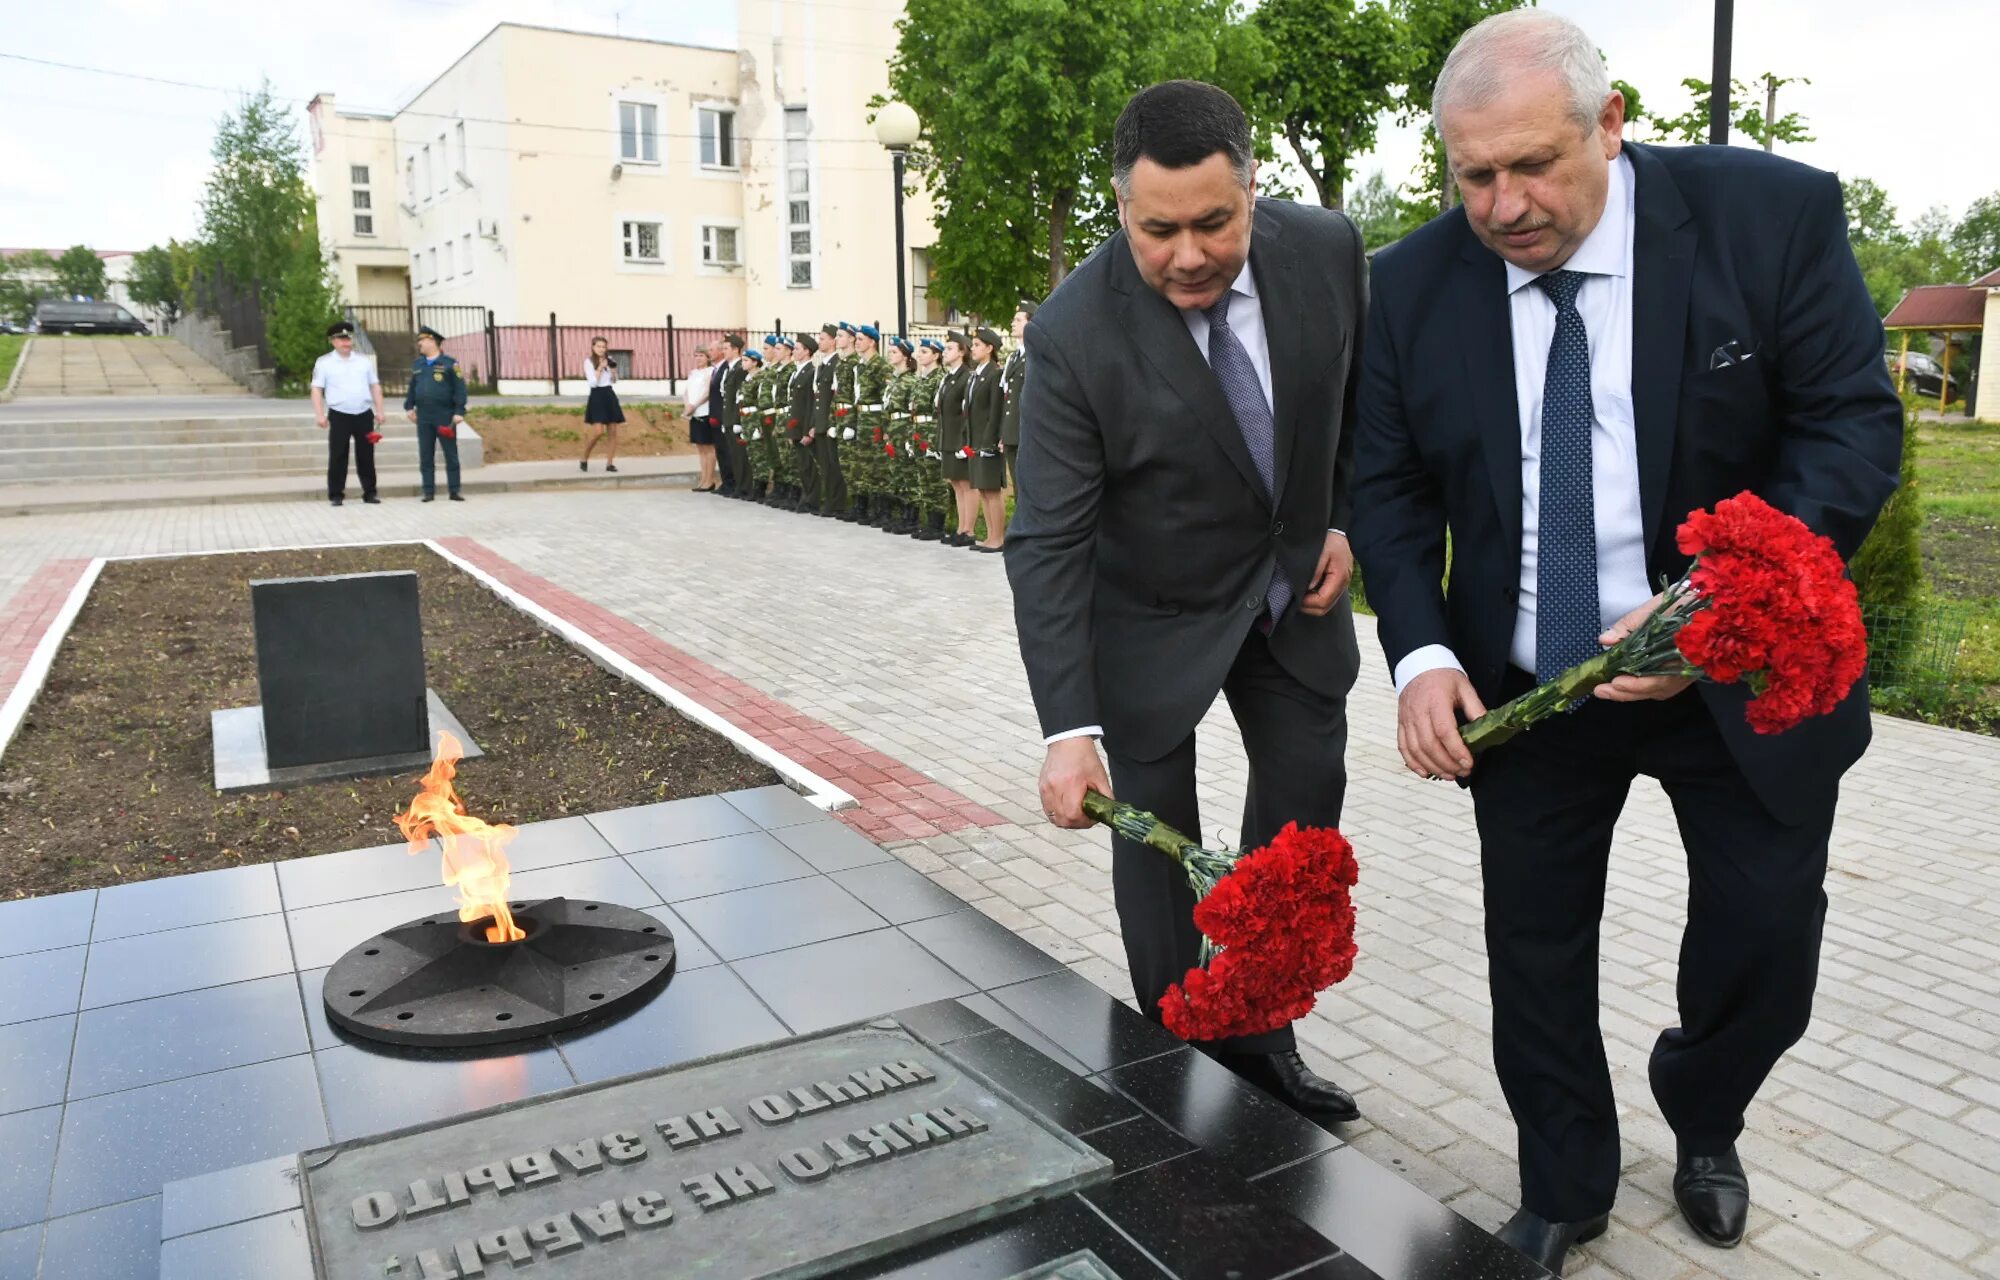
1180 513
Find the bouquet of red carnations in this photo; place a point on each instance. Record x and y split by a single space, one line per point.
1277 923
1767 602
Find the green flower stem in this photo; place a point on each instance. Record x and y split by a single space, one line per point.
1204 867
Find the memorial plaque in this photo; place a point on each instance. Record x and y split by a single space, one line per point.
787 1161
340 664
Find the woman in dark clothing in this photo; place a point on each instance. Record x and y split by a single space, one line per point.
985 406
602 410
951 435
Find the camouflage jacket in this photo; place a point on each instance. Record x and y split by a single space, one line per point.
871 380
923 409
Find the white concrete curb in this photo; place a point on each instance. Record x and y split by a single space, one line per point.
14 378
33 676
816 790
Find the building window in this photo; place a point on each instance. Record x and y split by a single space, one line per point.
410 177
718 138
466 266
798 182
639 132
364 224
464 165
417 269
444 168
358 174
718 247
361 198
433 266
364 200
429 185
642 242
449 273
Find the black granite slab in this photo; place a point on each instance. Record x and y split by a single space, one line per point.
707 867
655 826
704 1012
1239 1124
981 948
383 869
777 917
831 845
1389 1224
999 1015
897 893
1044 1084
1010 1248
846 979
1087 1021
312 635
27 1153
175 902
41 984
34 1062
1139 1143
42 924
206 955
229 1196
774 808
269 1248
1202 1222
117 1242
367 1091
124 1046
20 1252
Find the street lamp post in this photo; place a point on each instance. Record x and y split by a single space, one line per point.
897 128
1719 85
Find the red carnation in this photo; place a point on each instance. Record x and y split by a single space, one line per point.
448 431
1767 602
890 449
968 452
840 411
374 437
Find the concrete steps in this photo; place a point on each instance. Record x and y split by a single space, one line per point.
55 450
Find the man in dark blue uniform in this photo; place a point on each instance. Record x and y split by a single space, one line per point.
436 403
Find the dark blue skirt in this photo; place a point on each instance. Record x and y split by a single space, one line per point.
701 430
603 407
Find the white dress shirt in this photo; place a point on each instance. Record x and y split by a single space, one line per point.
1605 302
346 381
1248 324
595 377
695 393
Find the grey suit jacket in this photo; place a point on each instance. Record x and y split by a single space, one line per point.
1143 539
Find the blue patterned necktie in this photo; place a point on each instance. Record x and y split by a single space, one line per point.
1245 393
1567 621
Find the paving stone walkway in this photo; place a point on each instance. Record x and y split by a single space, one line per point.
1875 1149
118 366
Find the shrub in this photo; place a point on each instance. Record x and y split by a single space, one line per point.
1888 571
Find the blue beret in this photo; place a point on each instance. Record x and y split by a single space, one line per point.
783 341
902 345
871 331
845 327
933 344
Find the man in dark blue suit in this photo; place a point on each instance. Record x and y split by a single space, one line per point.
1603 338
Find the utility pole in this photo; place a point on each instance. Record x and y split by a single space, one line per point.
1719 85
1770 108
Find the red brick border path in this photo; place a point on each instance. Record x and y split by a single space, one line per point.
29 614
895 801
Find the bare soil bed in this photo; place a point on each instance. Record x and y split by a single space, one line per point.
541 433
111 777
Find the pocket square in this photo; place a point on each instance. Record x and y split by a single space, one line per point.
1729 353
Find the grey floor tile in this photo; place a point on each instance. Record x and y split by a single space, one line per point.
367 873
654 826
896 893
600 880
39 924
372 1092
708 867
27 1153
34 1062
272 1248
20 1252
321 935
847 979
207 955
145 1042
229 1195
983 950
191 1127
832 845
774 807
173 902
118 1242
703 1012
773 917
41 984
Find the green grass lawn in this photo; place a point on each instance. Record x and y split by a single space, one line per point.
10 352
1958 473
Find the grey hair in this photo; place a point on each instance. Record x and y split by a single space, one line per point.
1521 42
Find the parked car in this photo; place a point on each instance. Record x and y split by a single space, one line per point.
87 317
1922 372
8 326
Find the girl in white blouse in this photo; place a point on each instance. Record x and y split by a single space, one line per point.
602 411
701 424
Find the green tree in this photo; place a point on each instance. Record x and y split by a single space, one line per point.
1757 121
1382 215
1888 571
1430 29
152 283
1871 216
80 273
1976 238
25 279
257 197
1018 99
1335 68
303 302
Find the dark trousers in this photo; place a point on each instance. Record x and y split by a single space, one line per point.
832 485
341 428
428 443
1011 452
1297 743
1546 803
739 452
725 453
808 471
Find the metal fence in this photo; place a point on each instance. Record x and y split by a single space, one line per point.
236 307
1914 648
389 332
555 350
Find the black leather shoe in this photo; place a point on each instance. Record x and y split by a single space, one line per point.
456 497
1286 1077
1547 1242
333 502
430 497
372 500
1714 1195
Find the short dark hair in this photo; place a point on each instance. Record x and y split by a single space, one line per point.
1178 124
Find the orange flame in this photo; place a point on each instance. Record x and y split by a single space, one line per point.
473 861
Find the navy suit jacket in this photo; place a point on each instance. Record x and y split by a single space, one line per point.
1731 246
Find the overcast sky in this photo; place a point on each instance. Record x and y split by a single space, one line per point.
119 163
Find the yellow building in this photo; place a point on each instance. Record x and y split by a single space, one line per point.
614 181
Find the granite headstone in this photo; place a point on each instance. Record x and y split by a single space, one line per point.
340 663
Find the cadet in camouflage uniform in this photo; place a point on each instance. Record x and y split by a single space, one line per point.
871 377
900 469
766 455
931 489
749 424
